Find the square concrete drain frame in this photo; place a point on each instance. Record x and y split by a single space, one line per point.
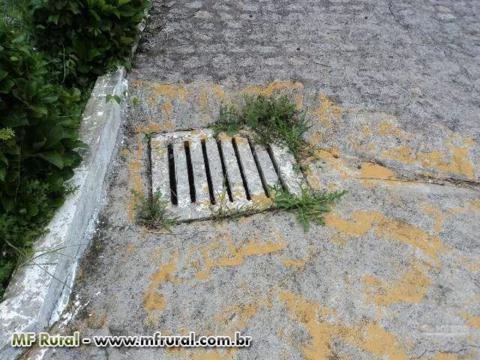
202 176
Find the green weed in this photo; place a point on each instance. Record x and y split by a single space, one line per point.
229 121
152 212
274 119
309 207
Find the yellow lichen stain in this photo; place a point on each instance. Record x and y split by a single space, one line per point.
375 171
272 88
261 201
363 221
455 161
411 235
370 171
294 263
327 112
324 331
222 252
376 340
411 287
223 137
135 167
219 93
472 321
152 128
170 91
313 317
152 299
388 127
164 96
360 224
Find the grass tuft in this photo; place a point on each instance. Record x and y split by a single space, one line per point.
309 207
229 121
152 213
274 119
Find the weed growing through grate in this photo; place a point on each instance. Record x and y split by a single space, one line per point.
309 207
152 213
274 119
229 121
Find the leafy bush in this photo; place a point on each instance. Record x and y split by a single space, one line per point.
51 52
38 136
86 37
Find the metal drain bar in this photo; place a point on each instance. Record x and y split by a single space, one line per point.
200 175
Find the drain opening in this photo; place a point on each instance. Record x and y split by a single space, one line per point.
224 170
171 173
191 180
240 167
149 171
275 166
196 169
207 171
259 168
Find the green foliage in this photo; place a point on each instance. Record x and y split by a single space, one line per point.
49 50
86 37
42 117
39 123
152 212
275 120
309 206
229 121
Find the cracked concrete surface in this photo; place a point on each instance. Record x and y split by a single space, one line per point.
392 91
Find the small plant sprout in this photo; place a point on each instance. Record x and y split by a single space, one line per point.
115 98
135 101
152 212
309 207
229 121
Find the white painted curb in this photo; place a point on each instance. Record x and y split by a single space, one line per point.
39 291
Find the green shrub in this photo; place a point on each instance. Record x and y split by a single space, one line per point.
86 37
49 49
39 124
41 120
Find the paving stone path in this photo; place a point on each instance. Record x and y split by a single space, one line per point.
392 89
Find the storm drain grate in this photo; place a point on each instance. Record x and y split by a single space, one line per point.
201 175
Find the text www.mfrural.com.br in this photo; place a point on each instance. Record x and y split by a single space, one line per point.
44 339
